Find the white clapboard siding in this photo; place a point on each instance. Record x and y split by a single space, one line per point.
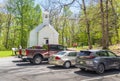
42 32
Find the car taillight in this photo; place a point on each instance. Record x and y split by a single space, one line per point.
26 51
57 58
20 51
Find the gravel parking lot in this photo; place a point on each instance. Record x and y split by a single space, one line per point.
13 69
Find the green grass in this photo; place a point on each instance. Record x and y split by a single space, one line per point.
5 53
86 47
82 48
112 47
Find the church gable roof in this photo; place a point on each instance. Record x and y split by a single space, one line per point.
44 24
53 29
39 27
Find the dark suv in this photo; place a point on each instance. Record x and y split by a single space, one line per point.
97 60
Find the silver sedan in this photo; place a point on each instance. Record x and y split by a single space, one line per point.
63 58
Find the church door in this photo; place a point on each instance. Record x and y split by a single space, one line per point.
46 40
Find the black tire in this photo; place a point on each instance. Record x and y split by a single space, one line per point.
31 61
82 69
100 69
67 64
119 67
37 60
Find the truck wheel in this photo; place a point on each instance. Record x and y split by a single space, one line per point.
82 69
31 61
37 60
67 64
119 67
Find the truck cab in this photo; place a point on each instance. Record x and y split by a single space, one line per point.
37 55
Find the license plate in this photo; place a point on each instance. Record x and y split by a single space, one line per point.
89 62
81 62
53 58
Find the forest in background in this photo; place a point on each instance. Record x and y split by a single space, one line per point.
96 23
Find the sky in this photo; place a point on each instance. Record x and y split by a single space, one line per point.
75 9
1 1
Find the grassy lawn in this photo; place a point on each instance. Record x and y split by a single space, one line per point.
86 47
112 47
5 53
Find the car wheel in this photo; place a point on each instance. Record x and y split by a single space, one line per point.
119 67
67 65
100 69
37 59
82 69
31 61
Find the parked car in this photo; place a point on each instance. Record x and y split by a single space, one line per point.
37 54
63 58
97 60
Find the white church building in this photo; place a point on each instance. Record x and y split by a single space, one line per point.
43 33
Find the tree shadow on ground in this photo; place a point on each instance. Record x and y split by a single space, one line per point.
59 67
94 74
18 61
30 64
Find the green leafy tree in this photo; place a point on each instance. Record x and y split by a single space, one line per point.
19 18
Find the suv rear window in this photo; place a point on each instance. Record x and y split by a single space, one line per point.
84 53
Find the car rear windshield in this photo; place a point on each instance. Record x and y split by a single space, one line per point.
61 53
84 53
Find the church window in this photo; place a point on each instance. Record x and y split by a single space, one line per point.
46 16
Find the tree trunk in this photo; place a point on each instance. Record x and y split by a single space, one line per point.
103 26
7 32
87 25
63 29
115 20
107 26
21 30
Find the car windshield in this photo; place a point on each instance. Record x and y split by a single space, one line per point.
61 53
84 53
